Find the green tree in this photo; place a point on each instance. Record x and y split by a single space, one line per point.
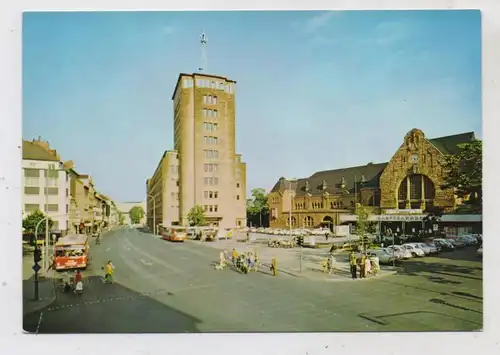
257 207
32 219
464 173
122 218
136 214
362 223
196 216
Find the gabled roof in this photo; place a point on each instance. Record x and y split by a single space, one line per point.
32 151
371 172
448 144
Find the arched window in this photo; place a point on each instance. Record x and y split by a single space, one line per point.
308 221
294 221
331 205
415 189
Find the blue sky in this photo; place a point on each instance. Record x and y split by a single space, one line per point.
316 90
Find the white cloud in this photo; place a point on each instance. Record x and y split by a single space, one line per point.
391 32
168 30
316 22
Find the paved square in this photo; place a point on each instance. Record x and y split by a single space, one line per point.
165 287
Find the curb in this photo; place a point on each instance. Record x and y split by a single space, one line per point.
337 278
35 306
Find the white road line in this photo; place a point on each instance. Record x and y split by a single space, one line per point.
145 262
39 322
155 259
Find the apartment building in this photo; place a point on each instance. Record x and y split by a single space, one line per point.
210 173
162 202
45 183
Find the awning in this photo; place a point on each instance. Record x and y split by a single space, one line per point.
462 218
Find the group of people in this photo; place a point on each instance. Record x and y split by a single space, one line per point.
243 262
76 284
329 264
368 265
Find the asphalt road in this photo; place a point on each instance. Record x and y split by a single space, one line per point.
166 287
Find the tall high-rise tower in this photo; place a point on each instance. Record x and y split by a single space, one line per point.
211 174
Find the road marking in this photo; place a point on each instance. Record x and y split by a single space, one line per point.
145 262
157 260
39 322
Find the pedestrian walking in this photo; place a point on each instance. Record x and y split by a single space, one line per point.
368 266
78 282
248 236
331 260
375 262
274 266
110 268
352 264
234 257
256 262
362 266
222 259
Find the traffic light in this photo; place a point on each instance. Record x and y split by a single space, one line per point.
37 255
366 242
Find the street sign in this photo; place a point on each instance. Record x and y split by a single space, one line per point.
435 227
36 267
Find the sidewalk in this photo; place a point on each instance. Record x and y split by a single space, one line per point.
289 260
46 291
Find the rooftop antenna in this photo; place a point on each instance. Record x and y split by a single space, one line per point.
203 42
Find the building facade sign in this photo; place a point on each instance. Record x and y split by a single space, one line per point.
407 211
401 218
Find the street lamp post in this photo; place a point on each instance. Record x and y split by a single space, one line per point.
154 213
290 222
393 252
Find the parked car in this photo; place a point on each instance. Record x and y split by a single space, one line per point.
444 244
457 243
425 248
383 256
467 239
399 252
434 248
480 251
414 250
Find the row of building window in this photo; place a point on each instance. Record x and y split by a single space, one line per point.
31 190
188 83
210 140
212 154
204 83
210 126
35 181
50 172
31 207
211 208
209 99
209 113
211 168
211 181
211 194
318 205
